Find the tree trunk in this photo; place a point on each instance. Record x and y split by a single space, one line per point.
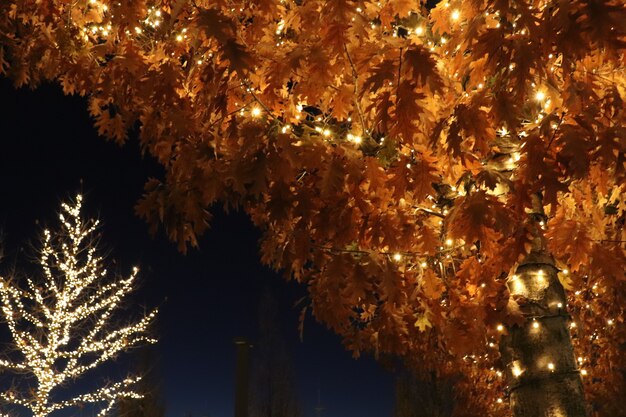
541 371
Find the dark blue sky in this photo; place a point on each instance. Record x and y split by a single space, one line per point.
207 297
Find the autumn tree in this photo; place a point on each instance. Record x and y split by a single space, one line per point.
61 324
447 180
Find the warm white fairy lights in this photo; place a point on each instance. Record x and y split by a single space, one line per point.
71 306
516 370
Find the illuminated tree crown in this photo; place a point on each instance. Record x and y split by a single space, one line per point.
62 324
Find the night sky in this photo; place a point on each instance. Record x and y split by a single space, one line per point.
208 297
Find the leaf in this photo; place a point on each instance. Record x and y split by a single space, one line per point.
478 217
382 74
382 105
609 261
428 240
569 239
424 176
432 285
213 23
491 178
332 177
343 101
240 59
421 67
407 111
422 323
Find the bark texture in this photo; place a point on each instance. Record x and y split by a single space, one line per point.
541 370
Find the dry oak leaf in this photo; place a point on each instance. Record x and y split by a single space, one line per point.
570 239
478 216
432 285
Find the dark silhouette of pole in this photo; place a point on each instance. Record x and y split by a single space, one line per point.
319 408
241 377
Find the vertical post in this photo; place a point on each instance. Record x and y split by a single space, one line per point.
241 377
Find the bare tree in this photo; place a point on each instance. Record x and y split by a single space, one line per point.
62 323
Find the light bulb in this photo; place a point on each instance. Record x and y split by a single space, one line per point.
540 96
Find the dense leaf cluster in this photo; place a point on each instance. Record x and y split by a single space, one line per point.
390 152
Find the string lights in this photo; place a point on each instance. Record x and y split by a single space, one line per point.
169 34
67 317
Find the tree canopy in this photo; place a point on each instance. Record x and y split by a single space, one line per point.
400 157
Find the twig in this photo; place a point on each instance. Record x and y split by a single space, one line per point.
260 103
556 129
429 211
355 78
229 114
399 76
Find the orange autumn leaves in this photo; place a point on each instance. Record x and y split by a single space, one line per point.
389 152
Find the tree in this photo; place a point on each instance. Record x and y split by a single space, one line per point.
272 386
62 325
435 174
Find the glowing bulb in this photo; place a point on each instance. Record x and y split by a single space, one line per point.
560 305
609 322
256 112
326 132
540 96
540 277
551 366
535 325
572 325
583 372
419 31
179 38
449 242
565 272
517 371
423 264
500 327
397 257
456 14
